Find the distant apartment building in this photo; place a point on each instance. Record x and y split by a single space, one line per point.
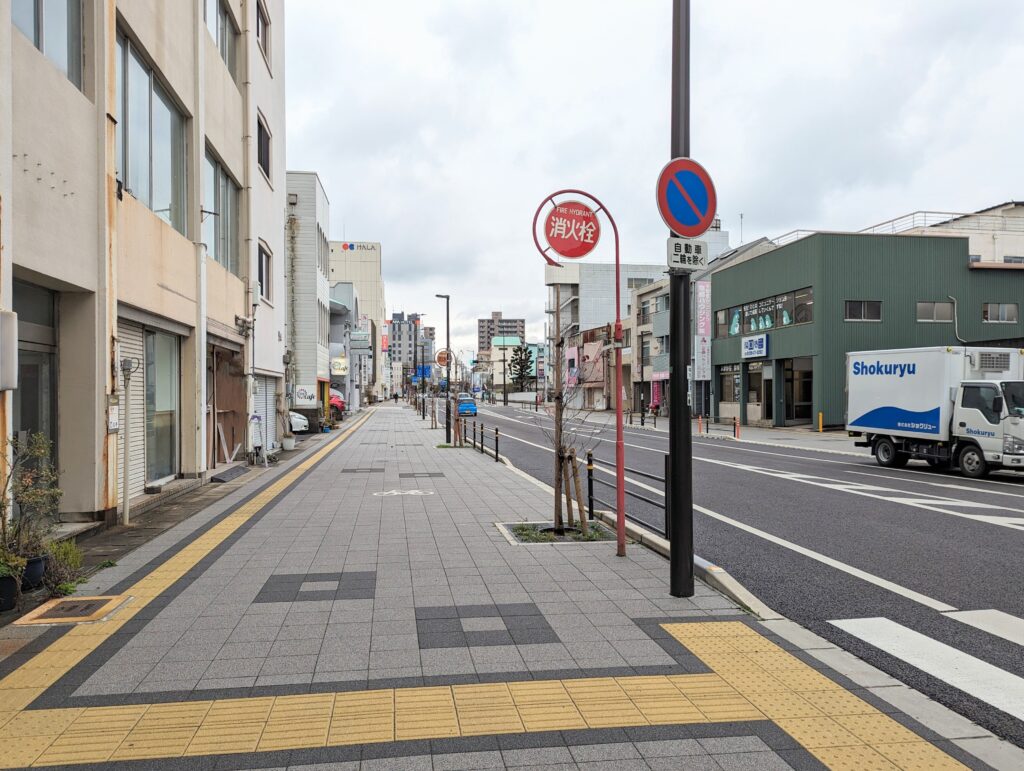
360 263
142 196
308 324
496 326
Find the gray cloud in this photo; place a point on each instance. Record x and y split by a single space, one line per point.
438 126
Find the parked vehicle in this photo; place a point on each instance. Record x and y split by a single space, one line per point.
299 423
337 405
950 406
463 395
467 406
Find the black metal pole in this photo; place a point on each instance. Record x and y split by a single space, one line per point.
643 404
590 483
448 369
504 377
679 441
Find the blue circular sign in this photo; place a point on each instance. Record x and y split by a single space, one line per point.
686 197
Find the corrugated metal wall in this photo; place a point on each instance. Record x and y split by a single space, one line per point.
130 337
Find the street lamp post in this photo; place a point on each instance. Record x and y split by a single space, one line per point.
504 376
448 368
643 407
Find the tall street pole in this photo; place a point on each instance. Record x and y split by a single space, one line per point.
679 441
504 376
448 369
643 384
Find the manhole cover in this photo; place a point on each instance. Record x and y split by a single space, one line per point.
362 470
72 610
420 474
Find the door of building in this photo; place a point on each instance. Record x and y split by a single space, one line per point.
162 368
799 381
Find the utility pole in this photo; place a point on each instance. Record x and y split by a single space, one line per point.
448 369
680 447
504 375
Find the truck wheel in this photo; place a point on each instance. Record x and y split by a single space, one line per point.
887 455
972 463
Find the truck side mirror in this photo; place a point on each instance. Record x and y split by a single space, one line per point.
997 405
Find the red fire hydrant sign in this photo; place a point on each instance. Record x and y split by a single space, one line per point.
572 229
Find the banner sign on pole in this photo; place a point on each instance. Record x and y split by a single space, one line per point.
701 357
702 294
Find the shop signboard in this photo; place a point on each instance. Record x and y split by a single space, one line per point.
304 396
755 347
702 295
702 357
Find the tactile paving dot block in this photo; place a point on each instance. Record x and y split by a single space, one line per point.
835 702
918 756
853 759
814 732
876 729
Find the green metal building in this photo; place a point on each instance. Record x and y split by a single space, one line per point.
784 320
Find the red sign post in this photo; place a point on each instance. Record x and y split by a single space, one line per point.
572 230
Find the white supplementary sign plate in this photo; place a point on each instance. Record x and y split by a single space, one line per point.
687 254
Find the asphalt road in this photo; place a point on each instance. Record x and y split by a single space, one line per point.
824 537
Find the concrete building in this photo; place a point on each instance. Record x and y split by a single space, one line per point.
785 319
344 321
497 326
360 263
309 374
406 335
142 192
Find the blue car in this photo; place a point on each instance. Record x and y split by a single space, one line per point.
467 407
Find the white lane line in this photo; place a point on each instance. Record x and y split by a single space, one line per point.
992 685
931 503
994 622
945 485
903 591
895 588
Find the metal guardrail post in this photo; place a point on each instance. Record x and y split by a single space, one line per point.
590 484
668 497
495 444
474 434
481 437
655 416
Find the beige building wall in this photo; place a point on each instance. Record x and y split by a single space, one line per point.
362 266
69 226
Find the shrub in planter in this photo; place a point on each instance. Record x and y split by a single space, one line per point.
11 568
63 568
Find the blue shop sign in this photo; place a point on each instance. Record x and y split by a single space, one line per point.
755 347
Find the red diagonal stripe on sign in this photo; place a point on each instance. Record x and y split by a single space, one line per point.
686 197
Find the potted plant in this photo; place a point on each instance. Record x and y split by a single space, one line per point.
287 437
11 568
29 481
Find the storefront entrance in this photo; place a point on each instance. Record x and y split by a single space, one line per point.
35 399
798 377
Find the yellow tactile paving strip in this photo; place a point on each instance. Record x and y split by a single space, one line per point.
752 679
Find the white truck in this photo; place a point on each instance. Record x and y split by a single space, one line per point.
950 406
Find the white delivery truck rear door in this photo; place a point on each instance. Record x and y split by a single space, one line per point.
901 392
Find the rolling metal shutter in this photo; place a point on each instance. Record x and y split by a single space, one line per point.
132 346
266 408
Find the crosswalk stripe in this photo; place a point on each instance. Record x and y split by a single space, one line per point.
995 686
992 621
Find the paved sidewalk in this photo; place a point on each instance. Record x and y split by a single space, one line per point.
361 609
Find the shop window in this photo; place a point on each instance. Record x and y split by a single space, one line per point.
729 383
55 28
803 306
220 214
999 313
863 310
150 139
935 312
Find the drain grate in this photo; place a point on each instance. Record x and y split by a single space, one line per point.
72 610
362 471
420 475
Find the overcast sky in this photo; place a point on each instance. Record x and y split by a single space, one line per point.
438 126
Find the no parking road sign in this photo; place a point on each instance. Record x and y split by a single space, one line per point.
686 197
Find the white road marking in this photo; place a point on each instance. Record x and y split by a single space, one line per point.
930 503
992 685
895 588
994 622
917 480
903 591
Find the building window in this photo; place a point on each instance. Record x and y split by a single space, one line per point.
863 310
635 282
935 312
263 146
224 31
263 29
220 214
1013 259
781 310
150 139
55 28
729 383
263 272
999 313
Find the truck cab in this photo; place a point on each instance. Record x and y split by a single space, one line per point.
988 429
